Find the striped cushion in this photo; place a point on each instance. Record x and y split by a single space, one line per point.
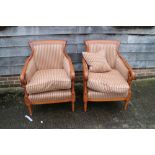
97 61
108 82
110 48
49 55
31 69
47 96
121 67
48 80
99 95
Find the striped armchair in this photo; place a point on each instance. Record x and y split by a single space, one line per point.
114 85
48 74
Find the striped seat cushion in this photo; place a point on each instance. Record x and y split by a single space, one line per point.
99 95
97 61
108 82
53 95
48 80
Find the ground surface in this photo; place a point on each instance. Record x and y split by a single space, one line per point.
140 114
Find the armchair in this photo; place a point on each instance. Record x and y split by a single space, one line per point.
48 74
114 85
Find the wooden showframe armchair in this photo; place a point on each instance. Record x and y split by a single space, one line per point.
48 74
114 85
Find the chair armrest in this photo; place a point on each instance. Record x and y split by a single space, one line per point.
131 74
28 71
68 66
85 69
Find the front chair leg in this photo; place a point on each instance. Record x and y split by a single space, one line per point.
73 107
126 105
85 106
30 109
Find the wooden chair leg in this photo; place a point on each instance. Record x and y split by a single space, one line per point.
85 106
73 107
126 105
30 109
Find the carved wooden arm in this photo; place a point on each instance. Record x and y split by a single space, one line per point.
23 73
69 68
28 71
85 69
131 75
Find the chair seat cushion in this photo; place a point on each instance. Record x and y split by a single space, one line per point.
99 95
51 96
108 82
48 80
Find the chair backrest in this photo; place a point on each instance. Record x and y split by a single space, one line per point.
48 54
109 46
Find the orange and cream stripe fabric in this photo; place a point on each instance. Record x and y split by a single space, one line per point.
108 82
48 80
66 66
97 95
110 48
121 68
53 95
49 55
97 61
31 69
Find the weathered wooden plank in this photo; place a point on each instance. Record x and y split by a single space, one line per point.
136 56
72 39
12 61
141 39
44 30
142 64
143 48
10 70
14 51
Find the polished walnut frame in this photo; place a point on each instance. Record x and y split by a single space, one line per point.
24 81
131 76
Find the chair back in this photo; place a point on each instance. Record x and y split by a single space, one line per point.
48 54
109 46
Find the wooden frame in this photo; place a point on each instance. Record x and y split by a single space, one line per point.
131 76
24 82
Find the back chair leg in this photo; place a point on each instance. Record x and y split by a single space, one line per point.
126 104
85 106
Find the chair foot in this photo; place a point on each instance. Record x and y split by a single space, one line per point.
73 107
30 109
85 106
126 105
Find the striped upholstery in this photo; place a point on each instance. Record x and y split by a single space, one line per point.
121 67
48 80
49 55
97 95
108 82
66 66
47 96
110 48
31 69
97 61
